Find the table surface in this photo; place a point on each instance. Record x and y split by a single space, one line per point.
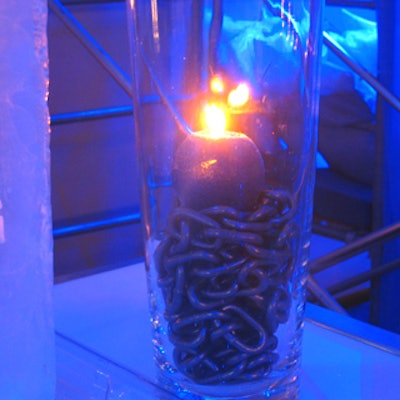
104 348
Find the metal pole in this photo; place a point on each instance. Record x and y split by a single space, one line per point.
89 115
323 296
358 246
385 299
353 3
364 277
364 74
86 227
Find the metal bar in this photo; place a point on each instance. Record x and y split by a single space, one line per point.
78 229
354 3
385 299
323 296
364 277
89 115
338 3
363 73
91 45
88 2
215 35
110 112
338 232
358 246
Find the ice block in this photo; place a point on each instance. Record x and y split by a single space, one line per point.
27 369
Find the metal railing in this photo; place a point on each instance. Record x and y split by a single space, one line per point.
91 45
352 3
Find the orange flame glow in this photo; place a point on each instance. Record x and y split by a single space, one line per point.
239 96
215 120
217 84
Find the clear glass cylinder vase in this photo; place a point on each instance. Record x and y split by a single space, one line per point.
225 103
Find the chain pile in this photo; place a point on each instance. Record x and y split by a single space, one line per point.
225 277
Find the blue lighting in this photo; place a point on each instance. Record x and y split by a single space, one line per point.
356 32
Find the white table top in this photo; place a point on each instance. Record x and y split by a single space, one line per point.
107 314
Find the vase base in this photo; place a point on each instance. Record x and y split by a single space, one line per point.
272 389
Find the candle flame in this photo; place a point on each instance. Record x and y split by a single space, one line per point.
217 85
239 96
215 120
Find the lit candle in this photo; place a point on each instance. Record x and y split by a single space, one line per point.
218 167
224 272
